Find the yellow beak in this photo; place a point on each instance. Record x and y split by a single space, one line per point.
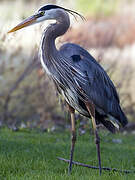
25 23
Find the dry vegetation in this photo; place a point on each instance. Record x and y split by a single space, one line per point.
27 95
104 32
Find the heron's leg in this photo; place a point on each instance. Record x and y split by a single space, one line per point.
91 110
73 137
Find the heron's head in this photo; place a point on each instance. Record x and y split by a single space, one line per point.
47 12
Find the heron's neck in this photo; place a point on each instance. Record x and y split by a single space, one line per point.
53 31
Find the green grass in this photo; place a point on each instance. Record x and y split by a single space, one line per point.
32 155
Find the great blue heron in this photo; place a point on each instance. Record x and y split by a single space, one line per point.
84 84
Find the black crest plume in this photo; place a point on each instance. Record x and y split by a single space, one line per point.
49 7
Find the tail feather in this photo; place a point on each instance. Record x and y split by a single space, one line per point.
109 125
102 119
120 116
123 118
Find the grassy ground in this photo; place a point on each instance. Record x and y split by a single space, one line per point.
32 155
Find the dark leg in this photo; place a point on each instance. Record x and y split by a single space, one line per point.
91 109
73 138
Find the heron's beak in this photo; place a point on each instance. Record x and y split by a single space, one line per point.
29 21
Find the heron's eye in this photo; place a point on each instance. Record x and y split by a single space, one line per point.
42 13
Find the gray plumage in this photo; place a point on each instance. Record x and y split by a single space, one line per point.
84 84
78 76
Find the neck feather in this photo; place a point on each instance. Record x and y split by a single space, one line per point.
51 33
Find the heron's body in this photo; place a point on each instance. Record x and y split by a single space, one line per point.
78 76
84 84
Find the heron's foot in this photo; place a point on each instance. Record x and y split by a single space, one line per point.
72 152
97 142
70 167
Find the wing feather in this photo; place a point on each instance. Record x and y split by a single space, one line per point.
91 79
